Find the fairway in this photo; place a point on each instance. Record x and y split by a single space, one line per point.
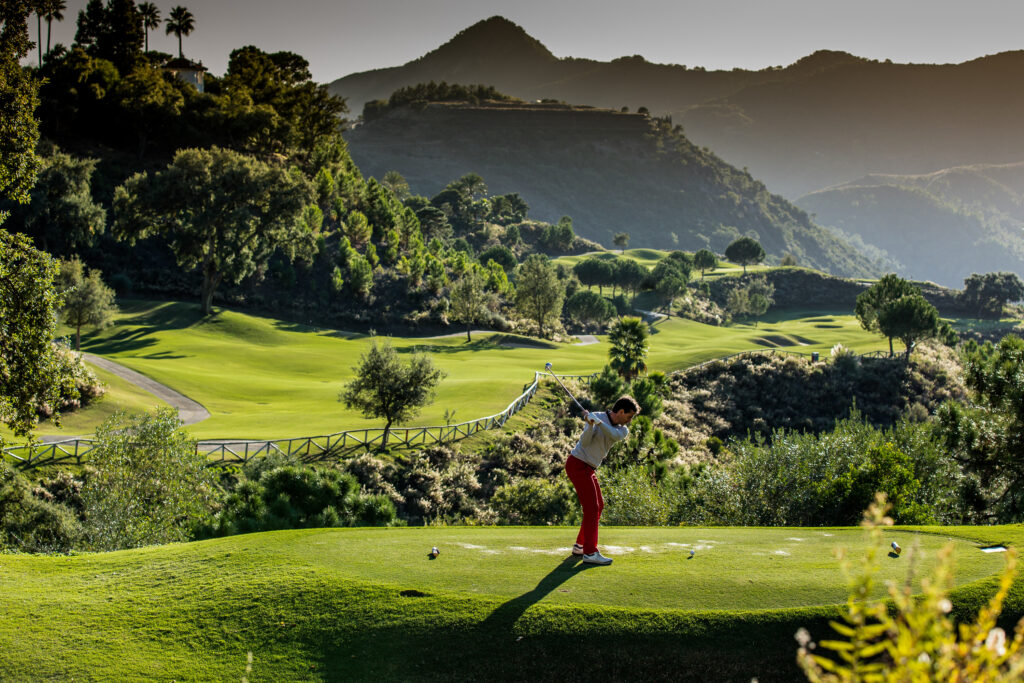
267 378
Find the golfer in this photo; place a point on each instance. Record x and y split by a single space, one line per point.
603 430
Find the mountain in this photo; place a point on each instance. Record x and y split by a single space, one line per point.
610 171
942 226
822 120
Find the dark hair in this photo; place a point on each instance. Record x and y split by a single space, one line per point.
627 403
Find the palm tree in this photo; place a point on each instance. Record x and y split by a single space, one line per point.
628 352
52 9
150 16
38 6
180 23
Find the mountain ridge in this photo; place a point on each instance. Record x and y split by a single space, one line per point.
610 171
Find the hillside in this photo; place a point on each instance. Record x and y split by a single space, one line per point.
610 171
824 119
942 226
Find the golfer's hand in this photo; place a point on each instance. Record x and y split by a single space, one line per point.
590 419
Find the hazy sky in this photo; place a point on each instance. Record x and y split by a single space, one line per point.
340 37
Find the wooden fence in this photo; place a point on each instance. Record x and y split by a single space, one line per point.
310 448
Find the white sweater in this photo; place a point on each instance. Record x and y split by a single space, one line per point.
597 439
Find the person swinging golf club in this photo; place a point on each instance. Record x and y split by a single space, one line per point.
604 429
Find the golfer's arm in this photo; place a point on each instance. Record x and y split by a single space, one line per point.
617 433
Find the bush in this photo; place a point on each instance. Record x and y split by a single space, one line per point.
534 501
909 637
84 388
296 497
607 387
29 524
633 497
147 484
800 479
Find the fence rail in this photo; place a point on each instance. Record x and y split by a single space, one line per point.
240 451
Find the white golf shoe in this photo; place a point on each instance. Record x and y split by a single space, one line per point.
577 549
596 558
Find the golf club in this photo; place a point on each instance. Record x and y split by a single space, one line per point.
547 366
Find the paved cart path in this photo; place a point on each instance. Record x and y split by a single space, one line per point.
189 411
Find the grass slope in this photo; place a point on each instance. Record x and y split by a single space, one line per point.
368 604
648 258
265 378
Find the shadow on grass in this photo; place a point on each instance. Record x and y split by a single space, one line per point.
147 319
507 614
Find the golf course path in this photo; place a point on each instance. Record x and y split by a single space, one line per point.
585 339
189 411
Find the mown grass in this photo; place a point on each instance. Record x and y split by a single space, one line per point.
361 604
266 378
650 257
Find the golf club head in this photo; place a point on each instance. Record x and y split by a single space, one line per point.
547 366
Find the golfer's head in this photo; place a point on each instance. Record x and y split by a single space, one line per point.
624 410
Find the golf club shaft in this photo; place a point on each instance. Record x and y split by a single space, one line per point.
568 392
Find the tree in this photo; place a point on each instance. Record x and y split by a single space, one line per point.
303 114
588 306
471 303
621 240
220 211
705 260
669 276
52 10
30 372
148 484
19 97
539 294
909 319
150 16
987 434
62 216
501 255
628 352
386 387
880 295
745 251
150 102
629 274
991 291
180 23
594 271
753 299
87 301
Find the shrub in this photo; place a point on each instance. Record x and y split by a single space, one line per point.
83 388
147 484
29 524
607 387
914 638
296 497
633 497
800 479
534 501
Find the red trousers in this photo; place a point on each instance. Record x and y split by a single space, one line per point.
588 490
